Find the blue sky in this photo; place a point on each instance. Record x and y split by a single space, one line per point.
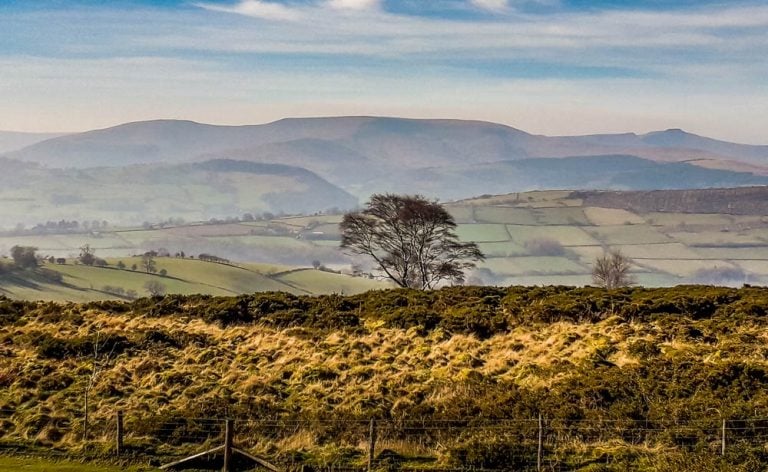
545 66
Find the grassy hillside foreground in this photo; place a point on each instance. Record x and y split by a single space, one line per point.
632 379
13 464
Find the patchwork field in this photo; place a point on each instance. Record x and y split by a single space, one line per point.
534 238
74 282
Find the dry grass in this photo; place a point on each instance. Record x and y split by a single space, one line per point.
359 373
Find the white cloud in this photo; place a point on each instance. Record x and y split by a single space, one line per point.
257 9
492 5
701 69
271 10
354 4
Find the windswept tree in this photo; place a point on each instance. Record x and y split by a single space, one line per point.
611 270
411 239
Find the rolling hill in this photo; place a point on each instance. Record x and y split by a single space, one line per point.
32 194
79 283
619 172
714 236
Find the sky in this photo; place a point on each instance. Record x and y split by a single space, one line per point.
555 67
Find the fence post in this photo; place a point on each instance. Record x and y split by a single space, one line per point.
119 443
371 444
85 418
229 432
540 450
722 445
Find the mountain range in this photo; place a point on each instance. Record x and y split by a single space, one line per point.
345 159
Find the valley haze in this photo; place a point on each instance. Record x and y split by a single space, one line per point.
306 165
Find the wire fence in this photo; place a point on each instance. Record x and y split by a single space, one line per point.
407 444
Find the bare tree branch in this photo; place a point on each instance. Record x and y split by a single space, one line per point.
411 239
611 270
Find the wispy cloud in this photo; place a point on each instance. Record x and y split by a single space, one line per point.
354 4
492 5
699 68
258 9
273 10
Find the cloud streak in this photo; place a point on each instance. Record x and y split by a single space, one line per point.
258 9
491 5
354 4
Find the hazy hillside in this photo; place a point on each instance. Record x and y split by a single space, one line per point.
12 141
618 172
337 163
390 142
671 144
129 195
393 141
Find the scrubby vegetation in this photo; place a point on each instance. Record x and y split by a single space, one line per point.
625 379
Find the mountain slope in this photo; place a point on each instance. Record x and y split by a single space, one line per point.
671 144
13 141
618 172
394 141
391 141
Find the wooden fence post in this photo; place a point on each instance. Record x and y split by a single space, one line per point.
229 432
540 451
119 443
85 418
371 444
722 445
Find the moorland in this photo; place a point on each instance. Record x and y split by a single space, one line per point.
630 379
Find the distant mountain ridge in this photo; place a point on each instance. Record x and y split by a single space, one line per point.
342 160
406 142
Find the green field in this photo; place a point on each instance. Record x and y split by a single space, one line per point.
560 216
533 265
668 248
483 232
611 216
565 235
629 234
184 276
502 249
665 251
504 215
316 281
17 464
